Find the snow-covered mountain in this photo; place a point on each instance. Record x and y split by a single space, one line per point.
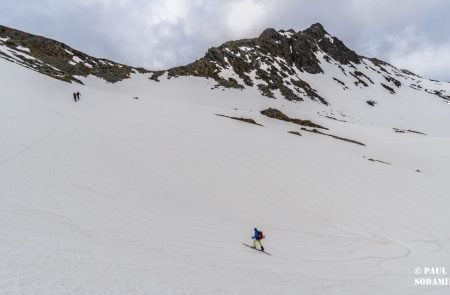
276 62
153 180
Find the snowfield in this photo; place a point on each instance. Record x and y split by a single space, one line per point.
155 195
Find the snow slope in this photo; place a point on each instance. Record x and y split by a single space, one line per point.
116 195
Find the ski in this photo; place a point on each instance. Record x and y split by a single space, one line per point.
257 249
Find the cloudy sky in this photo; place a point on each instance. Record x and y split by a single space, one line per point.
412 34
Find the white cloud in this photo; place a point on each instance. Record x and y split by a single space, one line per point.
244 15
428 60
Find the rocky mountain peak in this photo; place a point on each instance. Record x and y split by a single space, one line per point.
278 62
270 34
272 62
316 30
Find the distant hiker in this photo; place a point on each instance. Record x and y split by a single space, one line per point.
257 237
78 95
75 97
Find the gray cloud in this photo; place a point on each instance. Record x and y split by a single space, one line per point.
410 34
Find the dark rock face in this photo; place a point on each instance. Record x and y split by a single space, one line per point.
388 88
246 120
397 130
317 31
56 59
275 58
295 133
332 46
394 81
378 161
276 114
371 103
333 136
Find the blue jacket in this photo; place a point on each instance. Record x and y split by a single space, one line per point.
255 235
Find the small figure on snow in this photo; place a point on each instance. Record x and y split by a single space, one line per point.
78 96
257 237
75 97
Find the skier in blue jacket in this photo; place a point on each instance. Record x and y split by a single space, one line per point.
257 237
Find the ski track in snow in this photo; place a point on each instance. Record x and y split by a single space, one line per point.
113 195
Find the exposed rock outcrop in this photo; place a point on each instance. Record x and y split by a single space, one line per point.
276 114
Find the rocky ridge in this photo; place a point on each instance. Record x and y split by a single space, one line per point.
56 59
276 61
